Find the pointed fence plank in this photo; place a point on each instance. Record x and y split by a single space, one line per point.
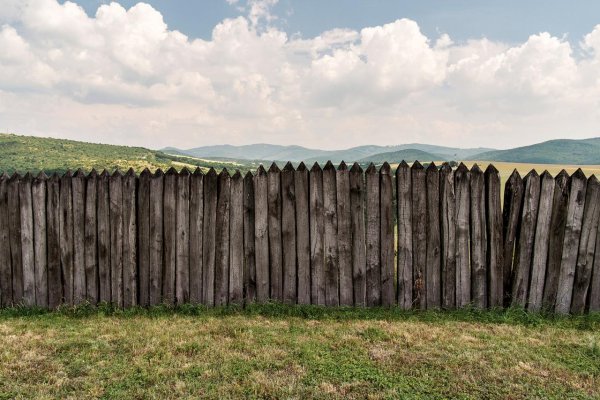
587 245
104 281
196 230
27 248
275 252
330 244
38 197
261 235
373 248
405 242
317 232
462 186
419 231
302 233
288 234
249 240
116 238
493 212
236 246
91 238
568 264
5 262
66 236
511 214
143 224
594 303
433 260
386 235
344 234
541 243
478 239
156 238
208 236
357 212
170 236
448 236
78 186
222 238
55 289
182 258
129 240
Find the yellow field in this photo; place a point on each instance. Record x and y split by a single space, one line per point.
506 168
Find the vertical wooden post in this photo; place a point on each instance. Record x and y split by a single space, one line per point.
143 223
236 246
405 241
129 240
344 234
27 249
55 289
478 239
317 231
5 262
66 236
222 238
302 233
587 244
104 251
373 270
38 196
524 251
462 185
540 247
448 236
116 237
78 187
275 256
330 236
594 303
386 235
357 214
261 235
573 226
560 203
182 258
434 262
170 236
419 231
208 236
91 238
196 229
493 208
156 238
511 216
288 233
249 240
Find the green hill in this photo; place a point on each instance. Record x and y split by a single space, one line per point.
408 155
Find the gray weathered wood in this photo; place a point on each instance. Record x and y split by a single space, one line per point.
222 235
344 235
91 238
196 229
302 233
542 239
288 234
587 245
182 257
330 244
115 186
560 203
249 240
156 238
594 303
236 247
208 236
143 224
526 237
373 248
66 236
170 236
493 212
38 197
5 262
511 214
78 186
261 235
55 288
419 232
386 235
463 215
448 236
478 239
405 242
357 212
317 231
27 248
434 261
129 240
104 281
568 264
275 252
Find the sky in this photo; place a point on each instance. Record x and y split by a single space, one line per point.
322 74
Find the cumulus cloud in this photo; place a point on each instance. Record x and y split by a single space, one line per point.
124 76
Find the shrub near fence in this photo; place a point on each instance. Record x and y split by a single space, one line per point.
416 238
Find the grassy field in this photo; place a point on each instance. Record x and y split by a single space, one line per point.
274 351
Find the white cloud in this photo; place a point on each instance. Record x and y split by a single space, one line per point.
123 76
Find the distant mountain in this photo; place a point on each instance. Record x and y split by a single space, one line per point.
408 155
560 151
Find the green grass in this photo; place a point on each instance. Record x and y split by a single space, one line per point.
275 351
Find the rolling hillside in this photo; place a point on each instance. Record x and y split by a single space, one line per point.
408 155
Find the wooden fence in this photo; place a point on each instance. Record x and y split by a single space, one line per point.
416 238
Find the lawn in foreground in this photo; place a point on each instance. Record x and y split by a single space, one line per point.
275 351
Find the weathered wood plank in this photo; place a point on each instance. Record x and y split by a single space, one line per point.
493 212
405 241
236 246
78 186
129 240
91 238
170 236
249 240
434 261
104 281
55 288
359 257
524 250
511 214
288 233
143 223
317 231
419 232
587 245
66 236
448 236
302 233
373 249
156 237
330 244
568 264
208 236
540 248
27 248
115 186
38 197
222 234
558 221
275 252
344 235
261 235
386 235
462 186
182 257
594 303
5 262
196 229
478 239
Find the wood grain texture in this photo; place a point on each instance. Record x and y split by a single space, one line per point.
419 231
55 289
373 248
104 252
5 262
344 234
249 240
156 237
143 224
495 251
511 214
302 233
208 236
448 236
330 244
261 235
317 231
38 198
405 241
236 246
27 248
359 257
129 240
116 238
66 236
478 239
386 235
170 236
196 230
91 238
433 260
274 222
222 233
594 303
182 258
462 186
79 289
288 233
